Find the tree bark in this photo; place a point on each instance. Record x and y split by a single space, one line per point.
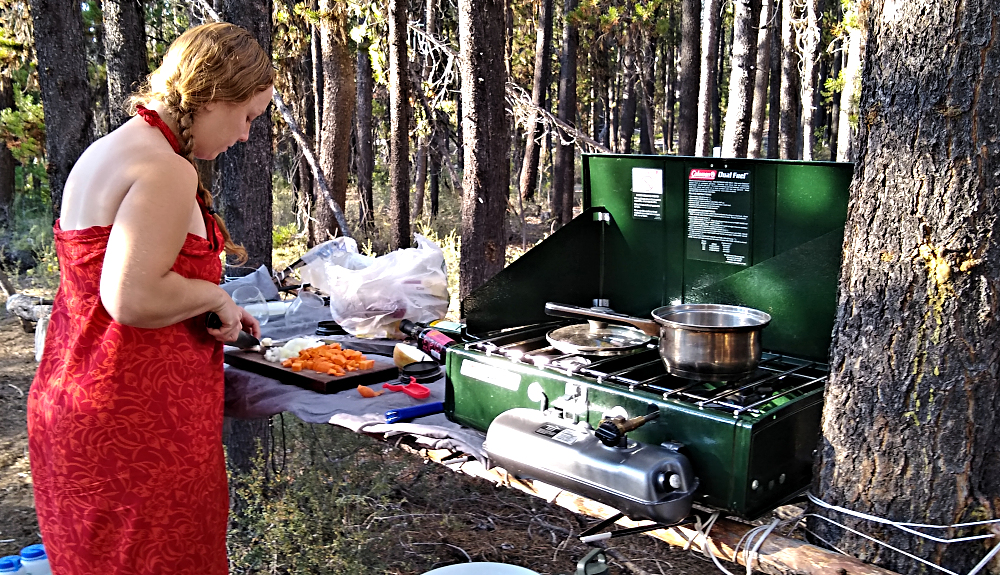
339 94
912 408
420 178
399 121
809 38
790 128
707 88
62 77
244 171
742 80
539 87
563 169
486 133
774 87
7 162
758 116
687 120
628 100
670 84
364 149
125 53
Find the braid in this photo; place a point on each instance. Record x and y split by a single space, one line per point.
185 119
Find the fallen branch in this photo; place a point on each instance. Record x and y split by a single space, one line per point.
777 555
5 285
293 126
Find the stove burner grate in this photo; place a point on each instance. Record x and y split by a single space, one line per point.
777 379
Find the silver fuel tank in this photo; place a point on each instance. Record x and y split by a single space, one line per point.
642 481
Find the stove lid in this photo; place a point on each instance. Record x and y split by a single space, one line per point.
588 339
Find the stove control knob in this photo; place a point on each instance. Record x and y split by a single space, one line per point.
755 485
536 394
668 481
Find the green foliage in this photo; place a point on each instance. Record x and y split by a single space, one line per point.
23 128
832 88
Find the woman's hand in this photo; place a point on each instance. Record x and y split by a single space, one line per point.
233 319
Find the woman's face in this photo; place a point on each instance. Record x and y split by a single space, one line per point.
219 124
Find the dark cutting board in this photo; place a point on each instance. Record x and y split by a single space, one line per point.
254 362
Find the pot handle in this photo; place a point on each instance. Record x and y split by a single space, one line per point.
648 327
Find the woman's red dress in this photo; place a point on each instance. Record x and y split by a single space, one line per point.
125 427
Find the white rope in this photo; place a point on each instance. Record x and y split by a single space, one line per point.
751 542
903 526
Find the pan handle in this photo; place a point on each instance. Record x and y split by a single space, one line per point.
648 327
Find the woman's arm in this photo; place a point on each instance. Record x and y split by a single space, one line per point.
149 230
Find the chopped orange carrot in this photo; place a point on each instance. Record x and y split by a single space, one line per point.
367 392
331 359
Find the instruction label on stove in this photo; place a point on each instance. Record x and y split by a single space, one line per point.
559 433
647 194
489 374
719 208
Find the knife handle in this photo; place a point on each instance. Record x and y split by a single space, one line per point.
212 320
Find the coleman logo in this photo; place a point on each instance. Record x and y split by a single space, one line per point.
702 175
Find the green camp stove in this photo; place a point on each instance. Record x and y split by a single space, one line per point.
665 230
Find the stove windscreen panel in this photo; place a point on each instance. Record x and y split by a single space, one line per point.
760 233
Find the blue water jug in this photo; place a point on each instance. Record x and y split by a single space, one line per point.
35 561
11 565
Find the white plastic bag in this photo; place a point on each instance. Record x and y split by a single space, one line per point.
411 284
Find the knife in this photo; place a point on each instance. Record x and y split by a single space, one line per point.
243 341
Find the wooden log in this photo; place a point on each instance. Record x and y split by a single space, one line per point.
778 555
28 307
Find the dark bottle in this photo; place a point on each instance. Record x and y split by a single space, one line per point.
429 340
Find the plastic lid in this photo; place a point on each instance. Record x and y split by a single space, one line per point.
34 552
10 564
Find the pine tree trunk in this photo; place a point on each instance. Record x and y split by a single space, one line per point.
687 120
6 161
790 128
912 409
363 138
706 94
628 100
602 101
125 53
717 95
486 131
419 179
742 80
305 112
670 85
399 127
339 95
563 170
244 171
758 116
833 118
62 77
849 96
809 38
774 84
543 49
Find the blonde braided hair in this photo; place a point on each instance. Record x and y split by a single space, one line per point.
212 62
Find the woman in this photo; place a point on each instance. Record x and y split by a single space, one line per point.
125 412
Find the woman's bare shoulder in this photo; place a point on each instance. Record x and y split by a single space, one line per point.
131 159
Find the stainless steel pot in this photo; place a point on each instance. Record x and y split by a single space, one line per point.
704 342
